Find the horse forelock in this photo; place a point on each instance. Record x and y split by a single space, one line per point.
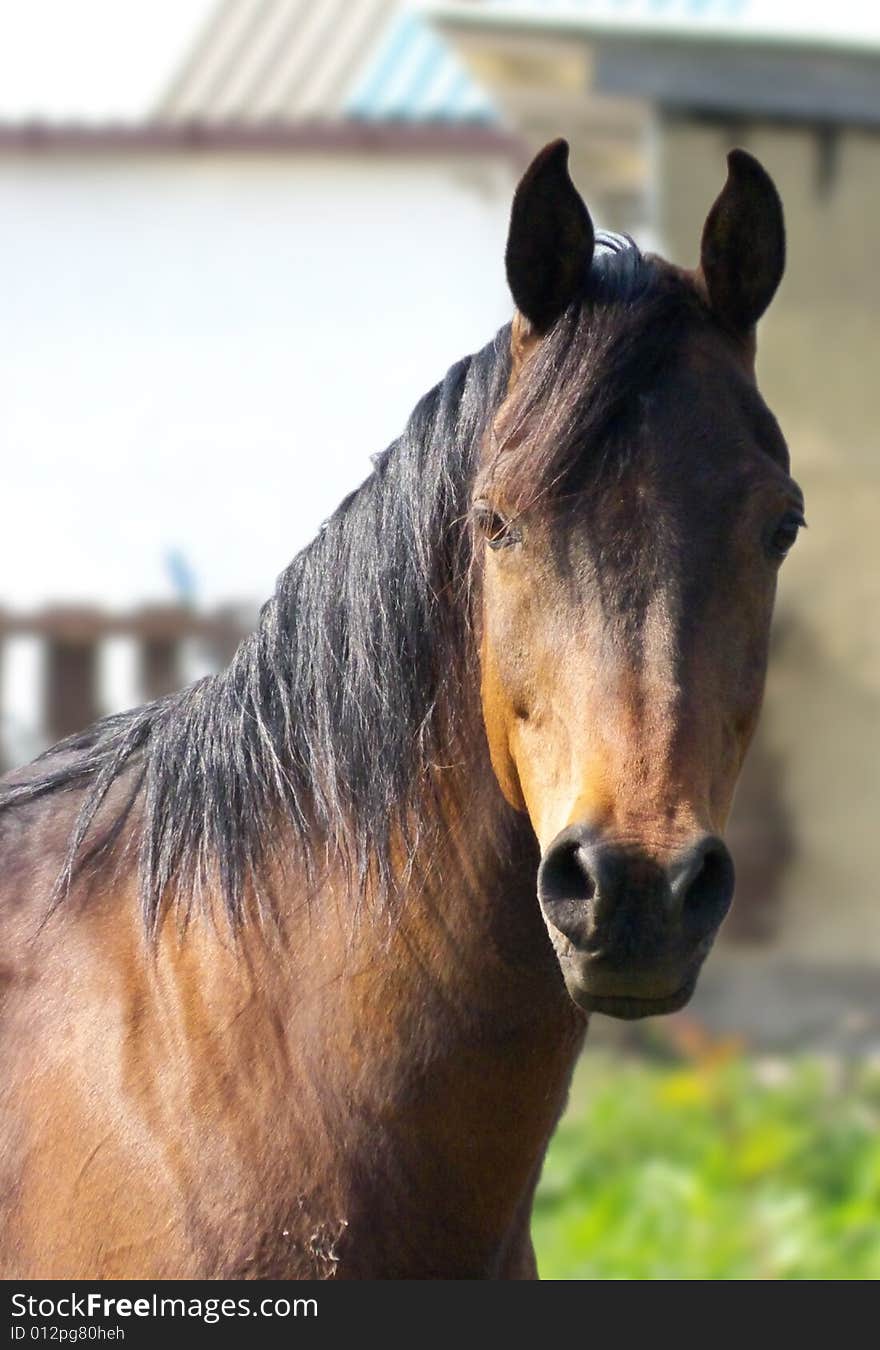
580 393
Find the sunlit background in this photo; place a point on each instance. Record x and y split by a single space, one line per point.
240 238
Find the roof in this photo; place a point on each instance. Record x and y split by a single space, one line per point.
322 60
242 65
845 24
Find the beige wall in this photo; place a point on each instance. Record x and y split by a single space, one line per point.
819 367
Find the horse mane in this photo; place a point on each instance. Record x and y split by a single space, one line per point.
331 712
360 673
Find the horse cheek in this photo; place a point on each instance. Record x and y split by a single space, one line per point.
498 719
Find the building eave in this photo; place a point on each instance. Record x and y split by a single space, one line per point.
516 53
461 16
275 139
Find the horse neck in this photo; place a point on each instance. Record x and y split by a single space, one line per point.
444 1017
397 1055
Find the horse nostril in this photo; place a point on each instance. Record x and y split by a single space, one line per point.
567 884
703 884
564 873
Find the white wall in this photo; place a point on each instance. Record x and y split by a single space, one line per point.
202 352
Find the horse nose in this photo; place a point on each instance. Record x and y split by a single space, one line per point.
702 880
600 896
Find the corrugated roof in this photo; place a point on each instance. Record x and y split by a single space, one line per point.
414 76
849 24
289 61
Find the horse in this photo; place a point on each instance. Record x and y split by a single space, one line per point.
297 962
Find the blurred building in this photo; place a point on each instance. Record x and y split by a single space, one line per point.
240 240
652 93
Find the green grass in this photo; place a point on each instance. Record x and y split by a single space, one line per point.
723 1168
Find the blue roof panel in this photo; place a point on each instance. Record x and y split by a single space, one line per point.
416 77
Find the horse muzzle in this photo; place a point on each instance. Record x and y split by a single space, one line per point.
630 934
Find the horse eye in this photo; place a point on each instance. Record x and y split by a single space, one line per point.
499 532
786 533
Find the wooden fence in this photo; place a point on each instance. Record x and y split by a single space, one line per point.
69 696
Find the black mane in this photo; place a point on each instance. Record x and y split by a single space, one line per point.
360 673
331 711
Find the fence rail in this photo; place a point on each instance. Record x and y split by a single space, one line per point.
69 696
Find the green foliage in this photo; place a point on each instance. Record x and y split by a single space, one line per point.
716 1169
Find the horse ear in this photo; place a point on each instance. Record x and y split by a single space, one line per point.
742 254
550 242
